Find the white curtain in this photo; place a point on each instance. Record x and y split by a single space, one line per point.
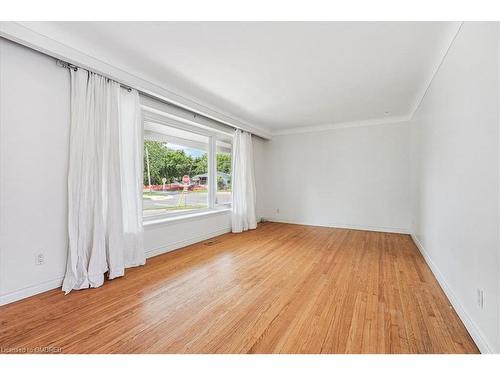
243 184
104 181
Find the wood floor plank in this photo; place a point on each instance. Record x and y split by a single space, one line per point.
279 289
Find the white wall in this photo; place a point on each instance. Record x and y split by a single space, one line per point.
354 177
161 238
260 165
34 139
455 141
34 134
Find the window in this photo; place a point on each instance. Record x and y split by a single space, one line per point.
223 159
178 177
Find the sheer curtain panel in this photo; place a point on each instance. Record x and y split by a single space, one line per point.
104 181
243 206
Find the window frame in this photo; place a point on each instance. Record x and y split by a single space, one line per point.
213 135
223 205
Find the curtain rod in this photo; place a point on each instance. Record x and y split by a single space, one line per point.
65 64
28 38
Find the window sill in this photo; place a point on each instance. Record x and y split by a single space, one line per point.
187 217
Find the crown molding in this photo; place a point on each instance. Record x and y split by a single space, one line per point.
439 61
387 120
342 125
21 34
24 35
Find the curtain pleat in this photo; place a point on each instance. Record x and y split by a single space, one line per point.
243 183
104 181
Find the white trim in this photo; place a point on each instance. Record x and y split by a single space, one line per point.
471 327
370 228
180 217
21 34
180 244
498 258
343 125
155 118
387 120
31 291
212 173
24 35
425 87
156 110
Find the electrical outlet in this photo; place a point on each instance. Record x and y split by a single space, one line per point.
40 259
480 298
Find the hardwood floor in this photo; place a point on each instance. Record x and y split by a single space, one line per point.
279 289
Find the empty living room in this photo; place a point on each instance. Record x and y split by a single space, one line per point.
250 184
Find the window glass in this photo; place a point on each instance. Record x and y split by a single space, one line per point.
223 161
175 170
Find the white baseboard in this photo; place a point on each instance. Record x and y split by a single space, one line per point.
341 226
189 241
31 291
57 283
471 327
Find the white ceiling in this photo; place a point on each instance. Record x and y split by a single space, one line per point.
276 75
